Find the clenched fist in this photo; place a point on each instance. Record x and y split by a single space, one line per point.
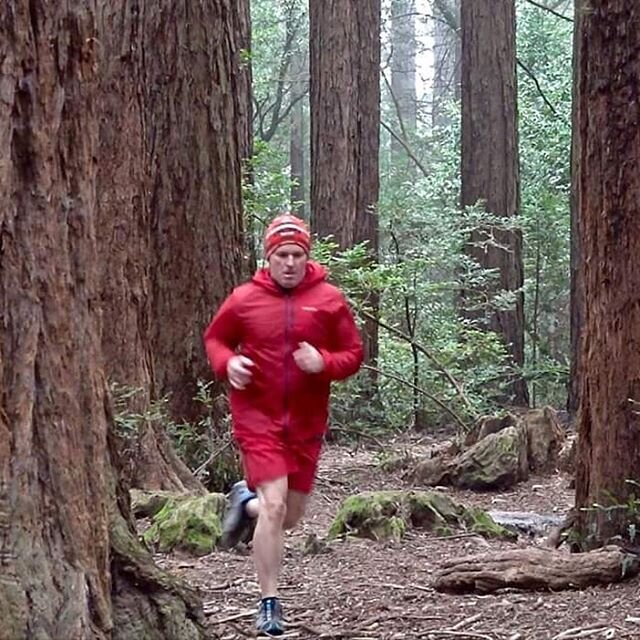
239 371
308 358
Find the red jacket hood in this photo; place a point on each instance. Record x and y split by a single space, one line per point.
315 273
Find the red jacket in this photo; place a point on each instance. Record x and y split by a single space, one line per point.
265 322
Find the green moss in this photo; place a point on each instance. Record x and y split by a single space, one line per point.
386 515
479 521
190 524
430 509
145 504
374 515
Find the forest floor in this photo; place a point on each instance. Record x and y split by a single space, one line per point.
362 589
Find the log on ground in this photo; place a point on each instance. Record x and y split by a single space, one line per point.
536 569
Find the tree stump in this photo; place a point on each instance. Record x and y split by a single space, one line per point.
536 569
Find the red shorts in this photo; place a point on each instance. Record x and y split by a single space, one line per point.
269 457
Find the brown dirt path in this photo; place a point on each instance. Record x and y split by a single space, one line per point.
361 589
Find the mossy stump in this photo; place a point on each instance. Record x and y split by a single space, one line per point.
187 523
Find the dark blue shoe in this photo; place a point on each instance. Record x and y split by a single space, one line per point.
236 521
269 621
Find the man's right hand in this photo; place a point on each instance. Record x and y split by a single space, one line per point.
239 371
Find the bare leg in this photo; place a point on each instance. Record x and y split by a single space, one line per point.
268 536
296 505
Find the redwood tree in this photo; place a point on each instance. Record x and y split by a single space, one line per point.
608 465
195 88
490 172
71 563
345 123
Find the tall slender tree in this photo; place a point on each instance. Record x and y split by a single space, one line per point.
403 69
490 171
72 566
345 123
577 292
608 153
446 57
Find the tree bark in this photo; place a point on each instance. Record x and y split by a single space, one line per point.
345 123
196 91
67 548
133 151
490 172
608 464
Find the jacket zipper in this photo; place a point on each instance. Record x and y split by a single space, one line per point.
288 325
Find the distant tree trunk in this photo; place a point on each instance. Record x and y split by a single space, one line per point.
196 90
403 70
72 566
446 58
297 148
608 464
345 122
490 158
577 293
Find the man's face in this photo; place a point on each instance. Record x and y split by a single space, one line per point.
287 265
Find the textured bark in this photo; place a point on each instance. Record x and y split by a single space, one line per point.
132 148
196 91
535 569
403 69
345 121
609 192
490 157
446 58
577 292
123 203
59 503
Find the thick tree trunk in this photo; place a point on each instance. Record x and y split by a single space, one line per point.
196 92
608 465
577 292
64 567
490 171
345 122
126 172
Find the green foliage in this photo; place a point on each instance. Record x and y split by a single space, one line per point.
545 142
204 445
422 264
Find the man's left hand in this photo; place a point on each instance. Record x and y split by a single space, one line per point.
308 358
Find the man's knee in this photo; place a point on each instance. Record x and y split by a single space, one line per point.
274 508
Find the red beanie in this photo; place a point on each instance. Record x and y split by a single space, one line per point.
286 229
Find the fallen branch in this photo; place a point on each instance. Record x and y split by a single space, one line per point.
236 616
212 457
357 432
580 632
437 401
423 350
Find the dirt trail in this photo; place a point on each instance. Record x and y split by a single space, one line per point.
361 589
